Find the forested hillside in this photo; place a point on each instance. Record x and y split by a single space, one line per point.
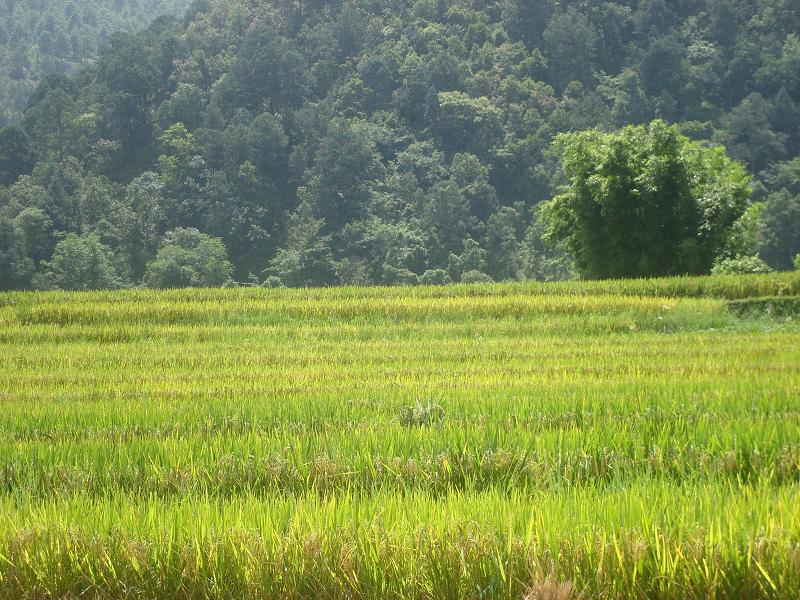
43 37
303 142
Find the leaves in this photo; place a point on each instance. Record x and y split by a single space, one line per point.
409 130
644 201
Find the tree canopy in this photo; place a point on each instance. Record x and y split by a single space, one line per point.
55 37
645 201
376 142
189 258
82 263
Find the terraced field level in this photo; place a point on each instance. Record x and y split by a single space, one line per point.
610 440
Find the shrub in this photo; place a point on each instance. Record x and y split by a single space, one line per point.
476 277
741 265
687 197
435 277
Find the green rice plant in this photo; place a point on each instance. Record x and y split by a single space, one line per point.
580 439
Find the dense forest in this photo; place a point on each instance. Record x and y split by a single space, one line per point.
315 142
44 37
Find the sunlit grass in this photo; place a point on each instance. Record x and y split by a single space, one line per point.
614 439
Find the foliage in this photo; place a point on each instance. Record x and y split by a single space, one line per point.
307 258
644 201
16 154
188 258
780 234
15 266
81 263
44 37
409 129
542 261
744 237
435 277
741 265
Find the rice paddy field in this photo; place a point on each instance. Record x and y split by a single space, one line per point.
541 441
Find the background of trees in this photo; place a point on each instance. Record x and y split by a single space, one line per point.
46 37
328 142
648 201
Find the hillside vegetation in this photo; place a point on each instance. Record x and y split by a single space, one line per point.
45 37
619 439
372 142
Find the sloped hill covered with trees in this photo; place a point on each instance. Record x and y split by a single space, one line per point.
43 37
378 142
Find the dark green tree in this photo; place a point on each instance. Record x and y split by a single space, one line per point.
747 133
51 36
472 178
780 234
127 82
345 165
379 80
468 124
16 267
445 217
50 122
270 71
145 197
540 260
187 105
525 20
16 154
306 259
745 235
503 232
267 146
37 231
470 265
58 205
407 128
572 45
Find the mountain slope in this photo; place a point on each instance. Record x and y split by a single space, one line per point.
389 142
43 37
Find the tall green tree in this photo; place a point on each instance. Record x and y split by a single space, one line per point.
412 131
270 71
780 234
747 133
572 44
16 154
16 267
526 21
345 165
306 259
644 201
37 231
44 37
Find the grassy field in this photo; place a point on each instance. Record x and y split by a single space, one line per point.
612 440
